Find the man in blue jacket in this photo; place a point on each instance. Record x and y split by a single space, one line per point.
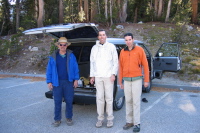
62 77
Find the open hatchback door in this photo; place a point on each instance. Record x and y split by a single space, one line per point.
167 59
84 31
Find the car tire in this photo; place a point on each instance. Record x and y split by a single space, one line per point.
118 103
147 89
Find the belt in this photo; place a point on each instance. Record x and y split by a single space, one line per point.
132 78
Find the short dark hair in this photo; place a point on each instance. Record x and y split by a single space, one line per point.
128 34
101 30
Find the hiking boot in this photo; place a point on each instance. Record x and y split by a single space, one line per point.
136 128
127 126
69 122
56 123
109 123
99 123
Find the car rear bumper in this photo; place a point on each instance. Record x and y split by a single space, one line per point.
84 98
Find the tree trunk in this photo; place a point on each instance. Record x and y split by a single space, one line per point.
150 5
36 10
168 11
160 8
124 8
194 11
156 8
86 10
98 7
93 11
61 12
80 5
2 26
17 14
41 13
106 9
135 15
123 14
119 10
111 21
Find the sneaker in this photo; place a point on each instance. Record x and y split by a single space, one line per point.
99 123
56 123
109 123
127 126
69 122
136 128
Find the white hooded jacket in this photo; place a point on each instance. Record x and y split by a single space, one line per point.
103 60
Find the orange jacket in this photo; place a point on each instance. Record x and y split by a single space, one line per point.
131 63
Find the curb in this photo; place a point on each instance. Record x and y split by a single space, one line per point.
181 87
23 74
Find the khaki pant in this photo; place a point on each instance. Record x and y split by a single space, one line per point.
104 94
133 91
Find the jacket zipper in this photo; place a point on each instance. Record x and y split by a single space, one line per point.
129 63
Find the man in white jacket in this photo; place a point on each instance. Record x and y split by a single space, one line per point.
103 69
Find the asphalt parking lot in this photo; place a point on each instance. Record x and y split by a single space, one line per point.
24 109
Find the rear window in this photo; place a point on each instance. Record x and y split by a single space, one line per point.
76 51
82 53
85 55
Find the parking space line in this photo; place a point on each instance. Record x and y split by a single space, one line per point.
17 85
157 101
23 107
147 109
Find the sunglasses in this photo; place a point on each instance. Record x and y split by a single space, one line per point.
63 44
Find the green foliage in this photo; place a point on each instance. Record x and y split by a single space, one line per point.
9 47
53 47
152 39
182 10
5 22
195 70
101 18
4 46
176 33
71 11
27 16
187 59
180 13
51 8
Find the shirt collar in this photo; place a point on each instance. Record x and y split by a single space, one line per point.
126 48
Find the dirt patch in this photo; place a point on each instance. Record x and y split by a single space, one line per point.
24 77
153 34
158 89
161 89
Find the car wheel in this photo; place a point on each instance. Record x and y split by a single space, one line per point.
118 103
147 89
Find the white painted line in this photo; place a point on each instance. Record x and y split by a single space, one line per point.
147 109
17 85
157 101
24 107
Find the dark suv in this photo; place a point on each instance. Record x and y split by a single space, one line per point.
84 35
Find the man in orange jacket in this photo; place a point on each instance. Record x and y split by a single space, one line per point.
132 62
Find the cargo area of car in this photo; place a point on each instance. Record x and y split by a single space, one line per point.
82 52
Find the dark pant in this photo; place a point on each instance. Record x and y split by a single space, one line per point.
64 90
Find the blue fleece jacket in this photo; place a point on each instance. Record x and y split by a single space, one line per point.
52 73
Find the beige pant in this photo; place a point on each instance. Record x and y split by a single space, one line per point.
133 91
104 94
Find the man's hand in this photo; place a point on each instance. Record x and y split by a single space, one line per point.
121 86
92 80
112 78
146 84
75 83
50 86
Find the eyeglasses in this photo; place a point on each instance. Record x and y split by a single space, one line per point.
63 44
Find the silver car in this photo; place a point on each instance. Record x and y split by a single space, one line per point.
84 35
